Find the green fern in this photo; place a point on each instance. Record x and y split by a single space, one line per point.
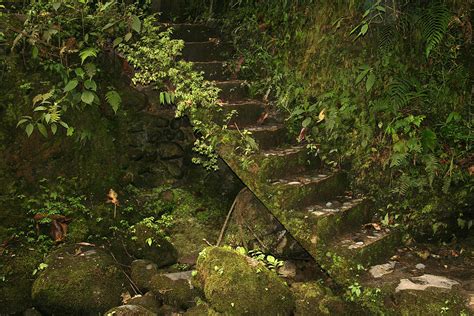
387 37
434 24
113 98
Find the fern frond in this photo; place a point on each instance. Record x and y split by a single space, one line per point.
434 25
387 37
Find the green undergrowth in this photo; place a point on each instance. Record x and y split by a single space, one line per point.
381 89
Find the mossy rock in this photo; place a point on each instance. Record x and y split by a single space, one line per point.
141 273
161 251
311 298
238 285
174 292
432 301
202 309
149 301
15 290
79 281
129 310
78 230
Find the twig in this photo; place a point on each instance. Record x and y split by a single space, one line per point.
207 242
133 285
221 235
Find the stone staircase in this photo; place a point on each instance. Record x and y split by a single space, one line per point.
309 199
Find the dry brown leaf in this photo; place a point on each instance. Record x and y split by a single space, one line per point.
112 197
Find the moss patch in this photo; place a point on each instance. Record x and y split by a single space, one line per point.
237 285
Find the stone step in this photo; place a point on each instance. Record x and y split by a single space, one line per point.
345 255
268 136
191 32
233 90
206 51
337 216
300 191
213 70
281 162
247 112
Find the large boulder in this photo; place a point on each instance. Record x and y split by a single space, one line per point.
235 284
16 278
175 289
79 280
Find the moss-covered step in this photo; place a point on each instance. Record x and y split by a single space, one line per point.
282 162
206 51
247 111
233 90
213 70
192 32
301 190
346 255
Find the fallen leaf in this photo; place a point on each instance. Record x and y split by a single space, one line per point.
112 197
302 134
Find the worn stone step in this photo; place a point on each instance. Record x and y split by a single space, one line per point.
346 254
192 32
206 51
282 162
214 70
300 191
233 90
337 216
268 136
247 112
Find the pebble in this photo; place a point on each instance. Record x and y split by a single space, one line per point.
420 266
328 204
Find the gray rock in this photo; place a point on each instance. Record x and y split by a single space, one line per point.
425 281
420 266
380 270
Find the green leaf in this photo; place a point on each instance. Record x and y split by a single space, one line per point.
365 70
136 24
128 36
117 41
70 131
34 52
364 29
370 81
22 121
90 84
40 108
428 139
54 128
71 85
91 69
29 129
79 72
168 98
114 99
307 122
42 129
86 53
162 97
56 5
64 124
87 97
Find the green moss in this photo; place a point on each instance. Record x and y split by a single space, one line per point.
16 279
78 281
312 298
237 285
177 293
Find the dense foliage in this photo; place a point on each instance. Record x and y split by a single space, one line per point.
382 85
